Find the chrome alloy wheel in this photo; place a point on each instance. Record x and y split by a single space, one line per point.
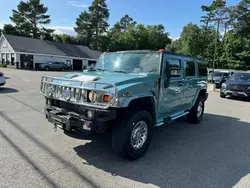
139 135
199 109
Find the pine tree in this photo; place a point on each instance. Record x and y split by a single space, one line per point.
99 14
30 18
92 26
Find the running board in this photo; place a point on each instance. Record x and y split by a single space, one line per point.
170 119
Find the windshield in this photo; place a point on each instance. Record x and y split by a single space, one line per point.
240 77
216 73
137 62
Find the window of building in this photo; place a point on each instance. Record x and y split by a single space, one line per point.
190 68
174 67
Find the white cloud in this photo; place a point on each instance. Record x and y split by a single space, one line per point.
63 30
77 4
1 26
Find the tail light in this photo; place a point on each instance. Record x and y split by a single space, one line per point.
1 74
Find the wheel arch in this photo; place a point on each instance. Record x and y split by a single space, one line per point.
202 93
144 103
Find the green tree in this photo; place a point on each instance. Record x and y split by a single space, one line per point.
84 29
191 39
64 38
99 14
92 26
175 46
30 18
141 37
241 17
10 29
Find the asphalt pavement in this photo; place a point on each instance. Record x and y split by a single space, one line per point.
212 154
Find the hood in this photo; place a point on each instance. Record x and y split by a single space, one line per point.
233 82
119 79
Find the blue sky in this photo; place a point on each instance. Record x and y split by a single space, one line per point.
173 14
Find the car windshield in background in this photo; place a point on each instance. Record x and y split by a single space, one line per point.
240 77
134 62
216 74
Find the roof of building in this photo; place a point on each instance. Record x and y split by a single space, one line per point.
30 45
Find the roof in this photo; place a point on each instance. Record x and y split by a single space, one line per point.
30 45
165 52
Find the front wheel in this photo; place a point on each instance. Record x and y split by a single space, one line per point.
132 136
222 95
196 113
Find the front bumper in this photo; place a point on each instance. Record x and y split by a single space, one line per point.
72 121
236 93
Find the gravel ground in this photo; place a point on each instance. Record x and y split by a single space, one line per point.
214 153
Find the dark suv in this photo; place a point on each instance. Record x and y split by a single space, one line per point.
237 85
218 78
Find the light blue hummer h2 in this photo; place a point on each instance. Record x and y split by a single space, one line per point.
128 93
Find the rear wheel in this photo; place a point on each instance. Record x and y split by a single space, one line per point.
47 68
131 137
62 69
196 113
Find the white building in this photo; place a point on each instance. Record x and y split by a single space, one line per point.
28 53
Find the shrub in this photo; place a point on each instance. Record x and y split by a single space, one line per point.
3 65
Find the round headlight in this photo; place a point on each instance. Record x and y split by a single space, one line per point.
92 96
66 93
50 90
223 86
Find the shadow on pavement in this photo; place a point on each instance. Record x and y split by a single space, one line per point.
7 90
45 148
30 161
214 153
239 99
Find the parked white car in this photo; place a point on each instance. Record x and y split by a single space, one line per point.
2 79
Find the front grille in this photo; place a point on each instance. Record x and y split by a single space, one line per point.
88 94
235 87
65 105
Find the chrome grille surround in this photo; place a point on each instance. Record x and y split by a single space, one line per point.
79 94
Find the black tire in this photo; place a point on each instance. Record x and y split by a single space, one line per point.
193 116
62 69
222 95
122 131
46 68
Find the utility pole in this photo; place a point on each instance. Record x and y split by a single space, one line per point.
218 20
215 46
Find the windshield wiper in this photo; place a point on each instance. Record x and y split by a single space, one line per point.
122 71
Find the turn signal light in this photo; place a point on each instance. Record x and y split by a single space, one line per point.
106 98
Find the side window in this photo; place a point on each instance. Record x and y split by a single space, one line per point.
190 68
174 67
202 68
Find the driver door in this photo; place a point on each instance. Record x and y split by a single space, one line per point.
171 92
